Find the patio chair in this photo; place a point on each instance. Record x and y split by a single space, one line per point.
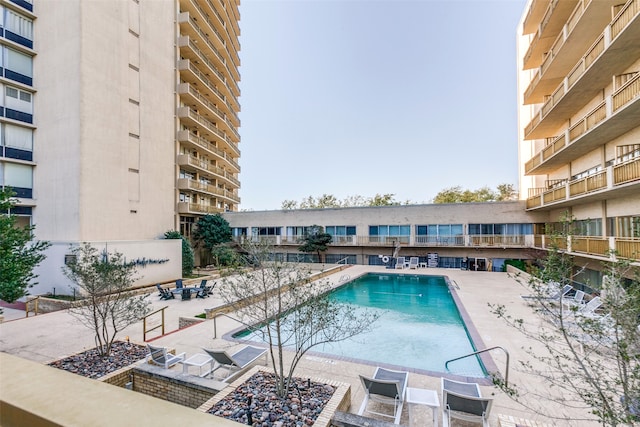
179 284
589 309
165 294
400 262
237 362
161 356
464 401
413 262
553 296
386 387
203 290
576 301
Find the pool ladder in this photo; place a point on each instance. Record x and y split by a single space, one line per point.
506 371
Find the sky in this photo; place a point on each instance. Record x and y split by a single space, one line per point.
366 97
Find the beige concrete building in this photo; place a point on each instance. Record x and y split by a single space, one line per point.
579 121
474 236
120 121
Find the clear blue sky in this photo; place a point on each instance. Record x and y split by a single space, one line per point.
364 97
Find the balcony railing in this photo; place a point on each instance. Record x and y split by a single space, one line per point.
623 173
626 172
617 25
608 248
192 184
186 136
187 88
626 95
196 208
185 159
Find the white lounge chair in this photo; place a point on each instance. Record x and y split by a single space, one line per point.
387 387
555 295
464 401
161 356
237 362
576 301
400 262
589 309
413 262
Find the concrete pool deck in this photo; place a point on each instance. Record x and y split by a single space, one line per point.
49 337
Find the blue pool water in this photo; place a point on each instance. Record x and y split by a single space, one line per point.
420 326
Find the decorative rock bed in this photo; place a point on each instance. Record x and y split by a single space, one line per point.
90 364
310 401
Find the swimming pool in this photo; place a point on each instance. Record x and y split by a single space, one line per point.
420 326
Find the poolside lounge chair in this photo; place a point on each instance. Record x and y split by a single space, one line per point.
237 362
576 301
413 262
553 296
387 387
464 401
161 356
400 262
589 309
164 293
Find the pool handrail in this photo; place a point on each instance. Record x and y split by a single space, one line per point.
506 372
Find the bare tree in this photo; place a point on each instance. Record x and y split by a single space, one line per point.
589 362
104 280
291 312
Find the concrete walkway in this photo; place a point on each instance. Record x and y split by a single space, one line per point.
49 337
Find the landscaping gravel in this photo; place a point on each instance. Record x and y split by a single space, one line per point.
258 396
90 364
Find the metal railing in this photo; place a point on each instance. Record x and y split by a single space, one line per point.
161 325
506 372
215 324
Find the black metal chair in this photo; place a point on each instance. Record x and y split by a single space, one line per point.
165 294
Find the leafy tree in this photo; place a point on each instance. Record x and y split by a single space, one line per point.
294 313
330 201
187 252
19 253
588 362
315 240
224 255
104 281
484 194
382 200
212 230
506 192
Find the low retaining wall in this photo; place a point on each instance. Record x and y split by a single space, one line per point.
174 386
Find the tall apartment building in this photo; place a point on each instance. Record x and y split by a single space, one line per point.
120 122
579 121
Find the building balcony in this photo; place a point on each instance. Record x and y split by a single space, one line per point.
200 65
613 52
581 29
204 45
613 117
537 9
547 27
208 189
603 248
615 181
197 209
200 144
207 128
189 95
462 241
214 24
206 169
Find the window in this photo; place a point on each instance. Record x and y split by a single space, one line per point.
18 66
19 178
18 25
186 225
588 227
341 230
17 137
18 104
266 231
587 172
